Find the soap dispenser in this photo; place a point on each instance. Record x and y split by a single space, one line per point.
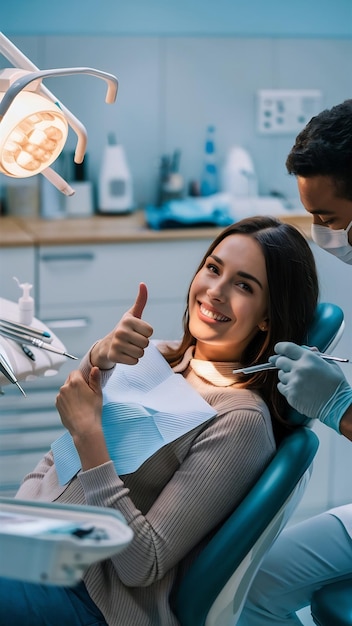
25 303
115 181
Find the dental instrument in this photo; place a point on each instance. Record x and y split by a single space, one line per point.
23 328
34 341
269 366
7 370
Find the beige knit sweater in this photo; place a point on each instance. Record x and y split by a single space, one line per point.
173 501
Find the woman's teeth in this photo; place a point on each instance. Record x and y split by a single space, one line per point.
214 316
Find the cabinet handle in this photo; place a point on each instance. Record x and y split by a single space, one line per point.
75 322
79 256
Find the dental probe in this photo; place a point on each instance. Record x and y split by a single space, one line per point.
269 366
9 373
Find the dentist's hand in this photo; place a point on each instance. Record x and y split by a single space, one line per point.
127 342
311 385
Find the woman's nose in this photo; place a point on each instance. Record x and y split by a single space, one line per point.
217 291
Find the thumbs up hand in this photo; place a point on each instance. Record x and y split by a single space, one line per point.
127 342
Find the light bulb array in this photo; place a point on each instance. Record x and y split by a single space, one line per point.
32 135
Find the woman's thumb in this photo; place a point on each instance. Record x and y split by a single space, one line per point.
94 380
141 301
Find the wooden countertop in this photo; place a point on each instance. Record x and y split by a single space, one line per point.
15 231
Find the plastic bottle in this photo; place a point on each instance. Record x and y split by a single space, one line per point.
81 203
115 181
238 175
209 183
25 303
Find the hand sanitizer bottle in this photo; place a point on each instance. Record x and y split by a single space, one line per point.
25 303
115 181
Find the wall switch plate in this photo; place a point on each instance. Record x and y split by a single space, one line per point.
285 111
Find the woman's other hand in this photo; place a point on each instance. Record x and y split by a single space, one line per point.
80 407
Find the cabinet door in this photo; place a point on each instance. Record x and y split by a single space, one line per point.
16 262
28 426
84 290
111 273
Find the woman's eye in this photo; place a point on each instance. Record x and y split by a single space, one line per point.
244 286
212 268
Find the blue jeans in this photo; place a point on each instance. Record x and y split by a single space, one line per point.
46 605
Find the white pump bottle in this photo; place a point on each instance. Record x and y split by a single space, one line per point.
25 303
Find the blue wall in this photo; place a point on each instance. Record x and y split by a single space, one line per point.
308 18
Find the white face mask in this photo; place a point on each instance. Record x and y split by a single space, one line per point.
333 241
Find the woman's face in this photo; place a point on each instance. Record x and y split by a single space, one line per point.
228 299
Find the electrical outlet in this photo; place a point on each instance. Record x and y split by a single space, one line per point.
286 111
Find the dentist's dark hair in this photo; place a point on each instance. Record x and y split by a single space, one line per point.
324 148
293 297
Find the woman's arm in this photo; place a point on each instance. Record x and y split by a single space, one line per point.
125 344
220 467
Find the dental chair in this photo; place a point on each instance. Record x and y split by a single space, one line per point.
214 589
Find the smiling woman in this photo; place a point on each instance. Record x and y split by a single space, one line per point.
228 300
256 285
261 274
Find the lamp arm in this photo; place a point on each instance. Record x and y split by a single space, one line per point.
19 84
18 59
25 80
22 82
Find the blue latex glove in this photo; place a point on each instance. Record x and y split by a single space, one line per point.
312 386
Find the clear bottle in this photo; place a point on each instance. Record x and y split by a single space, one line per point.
209 183
115 181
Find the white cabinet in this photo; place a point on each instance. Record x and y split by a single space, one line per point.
28 426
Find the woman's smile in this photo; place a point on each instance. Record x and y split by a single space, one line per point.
211 314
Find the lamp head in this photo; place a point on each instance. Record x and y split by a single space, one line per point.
33 130
33 123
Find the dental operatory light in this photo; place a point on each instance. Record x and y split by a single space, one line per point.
34 125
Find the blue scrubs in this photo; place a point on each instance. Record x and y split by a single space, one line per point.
303 558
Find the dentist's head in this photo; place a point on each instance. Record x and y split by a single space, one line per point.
321 159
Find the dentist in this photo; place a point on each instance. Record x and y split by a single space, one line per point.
318 551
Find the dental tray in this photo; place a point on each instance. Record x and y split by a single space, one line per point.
54 543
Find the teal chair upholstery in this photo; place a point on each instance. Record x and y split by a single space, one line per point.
214 589
332 604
